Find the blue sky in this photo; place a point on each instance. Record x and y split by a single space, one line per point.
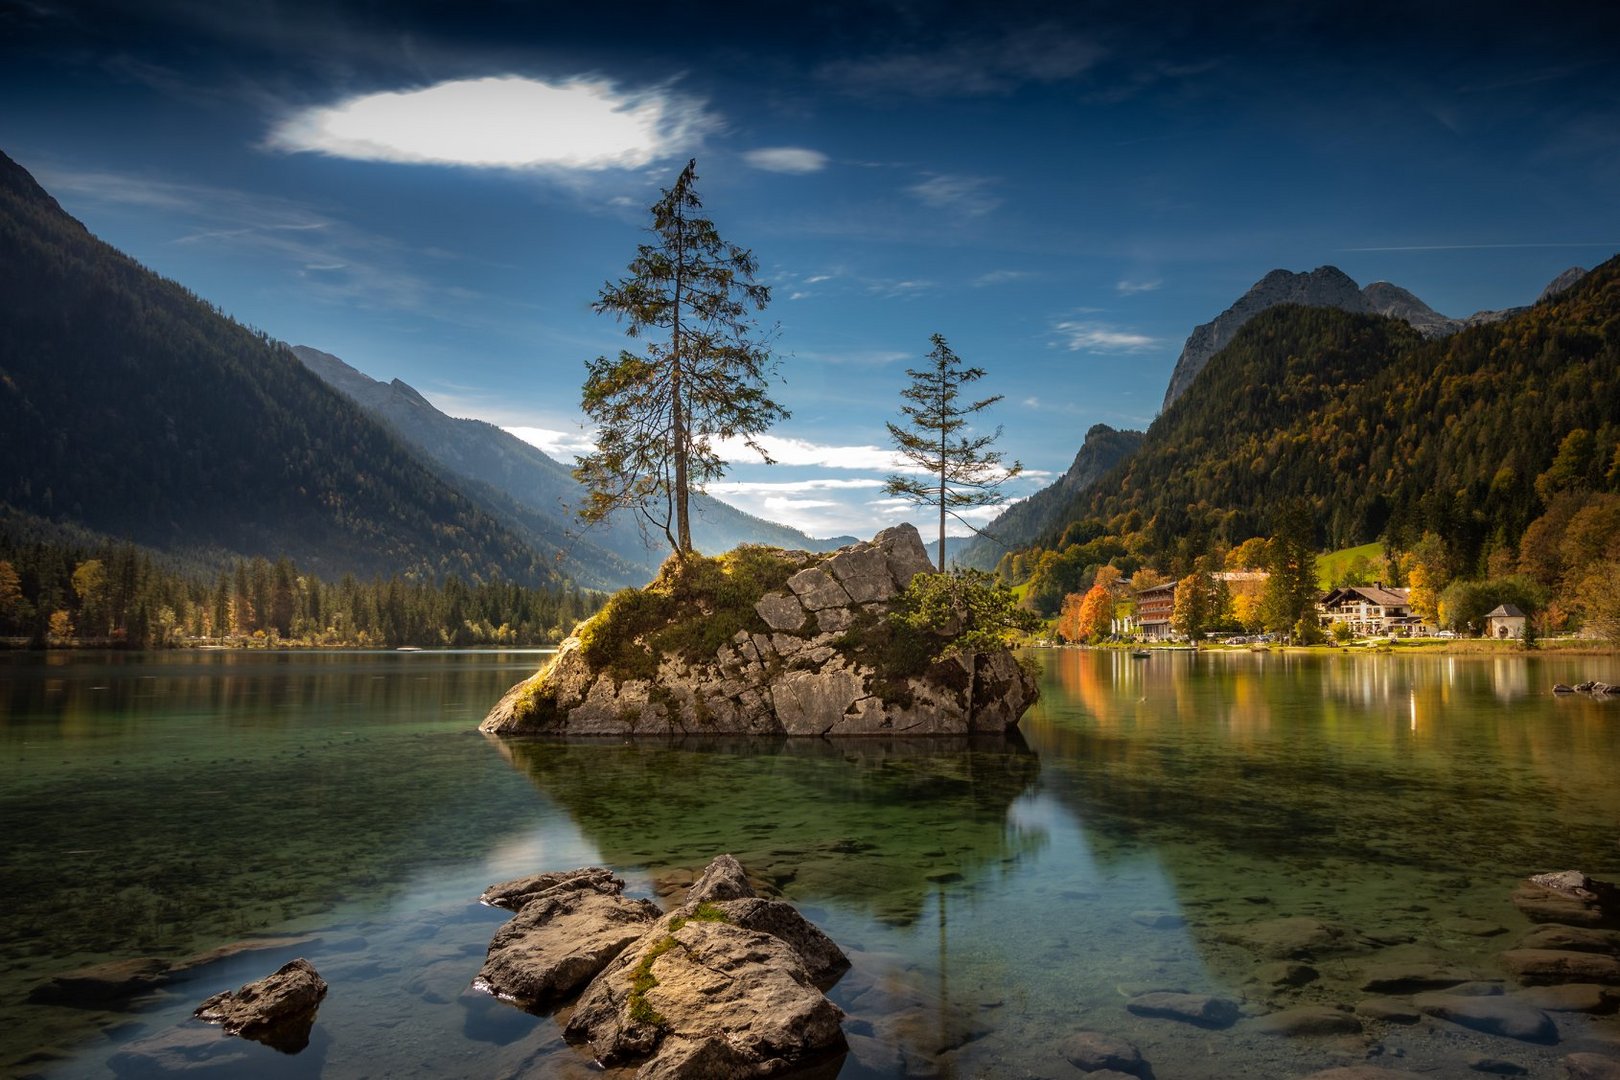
1063 191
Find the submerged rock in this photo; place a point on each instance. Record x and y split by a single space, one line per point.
277 1010
1095 1053
811 655
1546 967
1307 1020
1203 1010
1494 1016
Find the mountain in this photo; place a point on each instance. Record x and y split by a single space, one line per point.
132 408
1326 286
534 493
1382 431
1025 520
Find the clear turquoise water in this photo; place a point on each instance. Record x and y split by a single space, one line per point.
993 897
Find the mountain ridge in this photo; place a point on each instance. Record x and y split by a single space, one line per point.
132 408
1327 286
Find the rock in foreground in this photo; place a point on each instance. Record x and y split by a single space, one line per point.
728 984
278 1010
568 928
765 641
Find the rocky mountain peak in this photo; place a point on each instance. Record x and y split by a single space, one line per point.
1561 282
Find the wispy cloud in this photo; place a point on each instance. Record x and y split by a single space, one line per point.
505 122
334 261
786 159
959 194
1099 337
1131 288
858 357
977 67
1000 277
894 290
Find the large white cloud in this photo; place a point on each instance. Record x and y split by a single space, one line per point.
503 122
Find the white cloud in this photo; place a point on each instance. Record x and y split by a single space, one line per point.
786 159
726 488
1099 337
785 451
562 445
502 122
958 194
816 279
1131 288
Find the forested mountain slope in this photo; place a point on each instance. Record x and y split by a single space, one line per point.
131 407
1381 431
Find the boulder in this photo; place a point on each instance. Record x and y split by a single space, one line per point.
707 999
277 1010
1571 938
561 936
1494 1016
809 660
1307 1020
1546 967
1571 997
1093 1052
1568 897
1202 1010
1285 973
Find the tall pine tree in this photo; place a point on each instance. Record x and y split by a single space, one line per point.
690 295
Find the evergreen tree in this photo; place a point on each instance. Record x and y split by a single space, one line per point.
689 294
961 470
1289 603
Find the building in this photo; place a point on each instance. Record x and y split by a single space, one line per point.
1504 621
1153 609
1368 610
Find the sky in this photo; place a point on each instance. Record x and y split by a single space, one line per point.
437 193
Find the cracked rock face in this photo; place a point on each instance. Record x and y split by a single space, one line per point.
798 672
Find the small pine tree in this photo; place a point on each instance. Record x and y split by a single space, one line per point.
961 470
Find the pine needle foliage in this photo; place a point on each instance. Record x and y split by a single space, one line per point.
690 297
958 470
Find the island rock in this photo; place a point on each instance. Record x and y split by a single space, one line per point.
764 641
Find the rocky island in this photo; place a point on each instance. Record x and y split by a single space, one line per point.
764 641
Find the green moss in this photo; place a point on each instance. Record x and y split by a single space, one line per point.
705 912
642 980
693 607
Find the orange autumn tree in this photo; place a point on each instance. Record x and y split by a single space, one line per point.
1087 617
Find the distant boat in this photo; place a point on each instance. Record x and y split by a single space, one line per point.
1141 654
409 648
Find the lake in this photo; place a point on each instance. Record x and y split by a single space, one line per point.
994 897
